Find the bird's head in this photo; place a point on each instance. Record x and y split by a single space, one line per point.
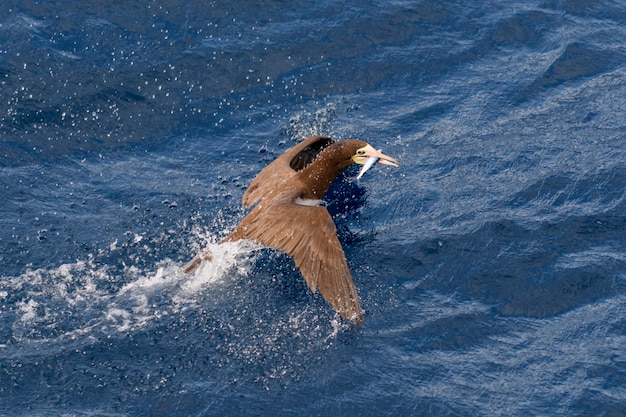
368 157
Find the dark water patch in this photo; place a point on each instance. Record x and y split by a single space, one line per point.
525 271
526 28
576 62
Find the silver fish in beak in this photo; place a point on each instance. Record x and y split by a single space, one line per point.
371 161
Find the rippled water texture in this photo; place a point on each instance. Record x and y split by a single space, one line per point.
491 264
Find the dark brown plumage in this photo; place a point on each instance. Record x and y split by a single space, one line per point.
288 216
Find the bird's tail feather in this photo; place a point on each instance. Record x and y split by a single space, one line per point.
195 263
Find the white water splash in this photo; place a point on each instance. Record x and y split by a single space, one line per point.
67 303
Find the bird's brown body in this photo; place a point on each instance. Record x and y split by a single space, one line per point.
288 216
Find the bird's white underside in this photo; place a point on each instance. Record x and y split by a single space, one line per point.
308 202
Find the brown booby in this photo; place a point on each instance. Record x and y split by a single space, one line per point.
290 215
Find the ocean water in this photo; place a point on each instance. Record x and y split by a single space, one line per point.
491 264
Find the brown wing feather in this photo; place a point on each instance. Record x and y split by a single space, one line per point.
270 177
308 234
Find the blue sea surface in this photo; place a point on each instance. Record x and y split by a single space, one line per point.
491 264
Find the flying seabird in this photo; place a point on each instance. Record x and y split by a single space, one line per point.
290 215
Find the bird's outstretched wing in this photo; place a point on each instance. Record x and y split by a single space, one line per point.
283 167
308 234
